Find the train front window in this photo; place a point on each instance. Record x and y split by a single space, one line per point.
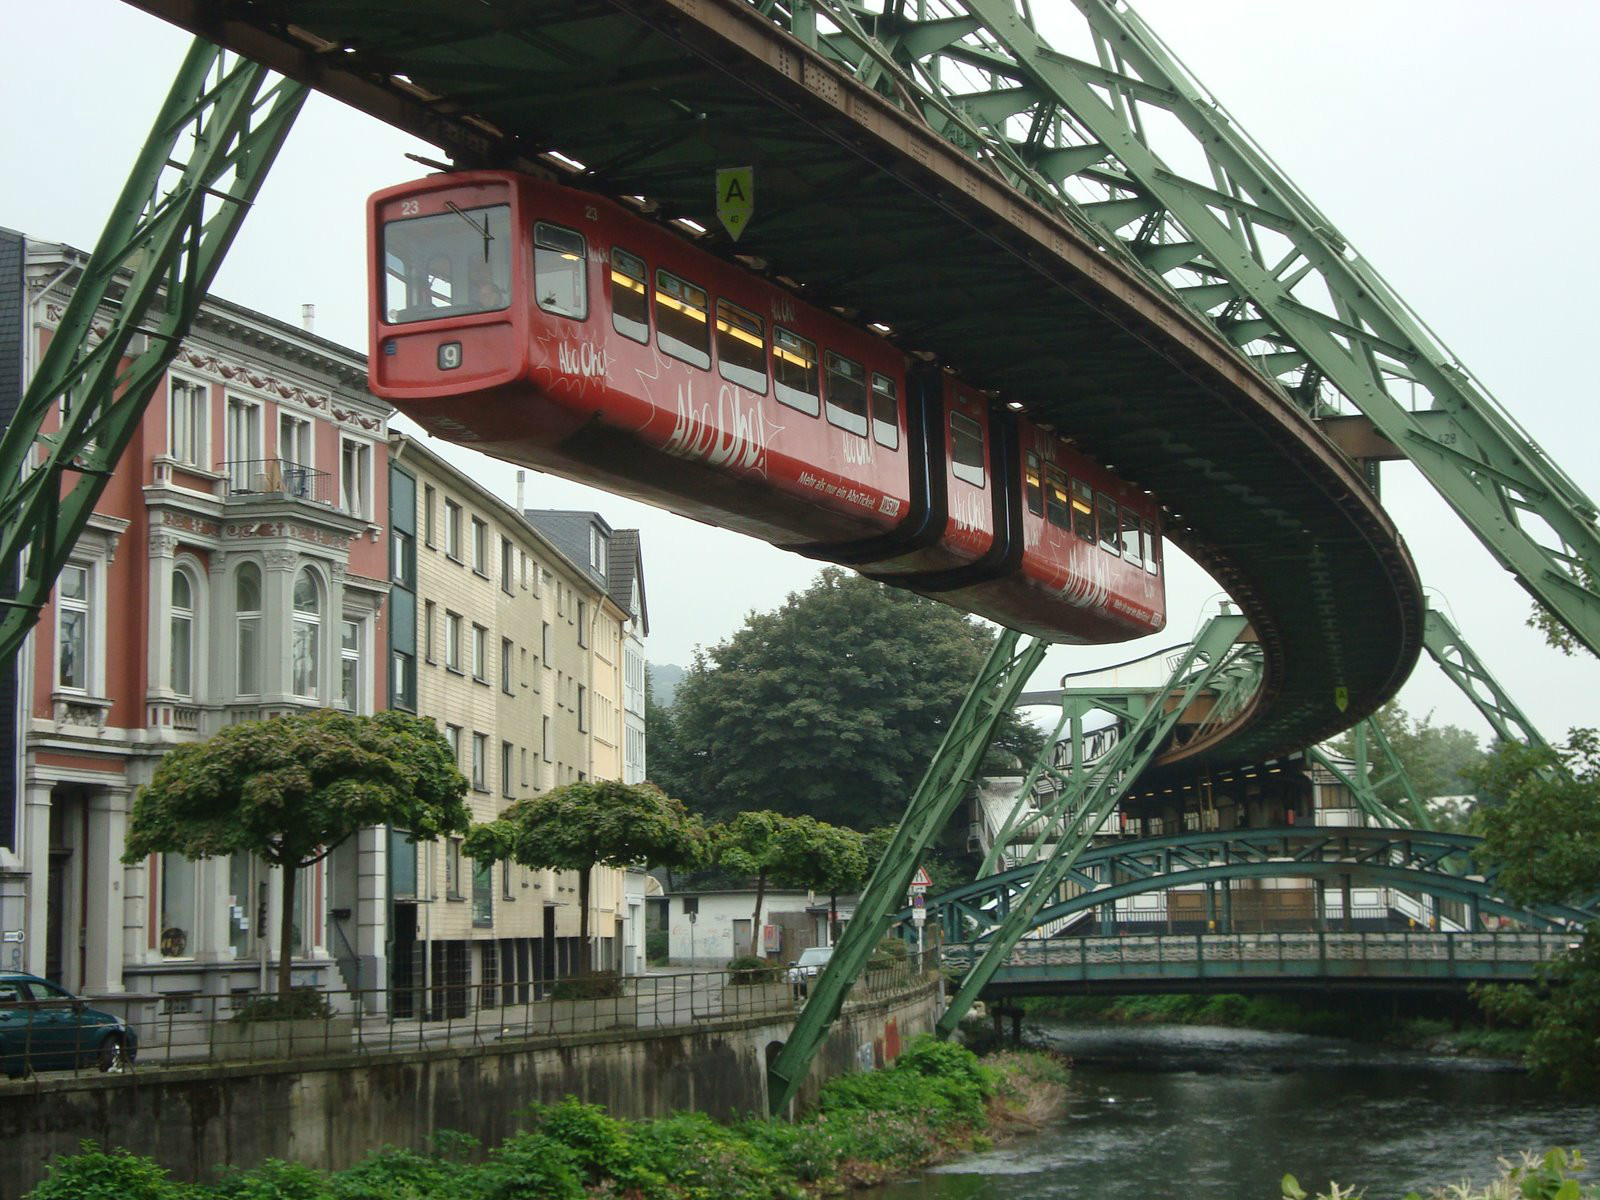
1083 510
885 412
741 347
794 371
846 394
966 449
683 327
448 264
1152 550
1106 512
1130 536
1057 507
559 275
630 307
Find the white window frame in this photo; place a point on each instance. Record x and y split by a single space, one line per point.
193 576
86 608
198 421
254 615
453 647
480 653
480 546
480 761
357 501
239 475
452 529
358 655
317 623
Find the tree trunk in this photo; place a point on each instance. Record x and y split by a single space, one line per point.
585 955
755 921
833 909
291 878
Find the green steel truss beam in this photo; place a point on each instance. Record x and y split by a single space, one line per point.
190 188
1456 659
1407 860
1114 134
1374 754
1076 816
943 787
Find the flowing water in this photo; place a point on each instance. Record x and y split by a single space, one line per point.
1185 1111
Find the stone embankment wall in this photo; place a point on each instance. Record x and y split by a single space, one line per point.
327 1112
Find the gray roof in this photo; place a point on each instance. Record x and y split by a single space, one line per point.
568 530
626 566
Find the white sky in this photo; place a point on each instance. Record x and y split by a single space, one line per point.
1432 132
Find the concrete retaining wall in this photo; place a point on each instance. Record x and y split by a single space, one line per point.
328 1112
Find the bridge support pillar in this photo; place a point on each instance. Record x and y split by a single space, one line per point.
1227 907
1211 908
1344 901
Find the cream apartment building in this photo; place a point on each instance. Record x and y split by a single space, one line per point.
518 659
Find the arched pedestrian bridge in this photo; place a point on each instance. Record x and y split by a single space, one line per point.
1448 945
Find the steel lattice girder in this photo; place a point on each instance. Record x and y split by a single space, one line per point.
1405 859
943 787
1079 814
190 188
1455 658
1240 244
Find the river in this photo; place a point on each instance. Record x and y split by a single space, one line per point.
1162 1111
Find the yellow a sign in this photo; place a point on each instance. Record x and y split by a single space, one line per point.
736 198
1341 698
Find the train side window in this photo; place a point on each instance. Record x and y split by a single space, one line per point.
1105 509
1152 550
741 347
885 411
1032 488
630 305
846 395
1057 507
683 327
794 371
1130 536
966 448
559 278
1083 510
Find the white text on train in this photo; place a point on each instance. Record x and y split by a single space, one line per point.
732 435
584 359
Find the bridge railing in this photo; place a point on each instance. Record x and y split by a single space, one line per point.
195 1029
1330 953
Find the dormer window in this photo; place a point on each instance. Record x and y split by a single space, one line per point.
597 551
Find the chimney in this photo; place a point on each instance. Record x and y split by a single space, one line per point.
521 476
308 317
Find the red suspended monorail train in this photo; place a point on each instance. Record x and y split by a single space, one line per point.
560 330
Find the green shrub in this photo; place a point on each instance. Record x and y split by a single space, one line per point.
396 1174
272 1180
890 952
656 947
301 1004
96 1174
529 1166
749 970
707 1161
600 1144
602 985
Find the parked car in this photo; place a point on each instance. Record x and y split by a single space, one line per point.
44 1027
804 969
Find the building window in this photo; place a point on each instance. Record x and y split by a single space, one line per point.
508 778
427 514
72 628
452 529
452 735
480 761
187 405
179 876
508 567
402 558
480 547
583 709
483 895
305 648
452 641
403 681
583 623
597 549
247 614
505 665
294 455
182 628
480 653
544 644
244 443
544 738
355 477
427 630
452 869
350 684
505 881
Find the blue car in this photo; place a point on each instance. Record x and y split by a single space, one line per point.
46 1028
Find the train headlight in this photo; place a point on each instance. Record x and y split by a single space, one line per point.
449 356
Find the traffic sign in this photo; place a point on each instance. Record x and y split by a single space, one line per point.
920 881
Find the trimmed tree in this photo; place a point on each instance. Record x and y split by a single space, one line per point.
773 848
291 789
601 822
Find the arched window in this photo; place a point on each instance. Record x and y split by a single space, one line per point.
304 653
247 611
182 633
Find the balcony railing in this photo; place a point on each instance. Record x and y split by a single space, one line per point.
277 477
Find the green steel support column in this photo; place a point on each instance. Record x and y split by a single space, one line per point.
192 184
992 696
1110 779
1444 642
1364 784
1041 766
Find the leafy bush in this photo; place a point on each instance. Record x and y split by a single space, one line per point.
749 970
602 985
272 1180
656 947
530 1166
395 1174
707 1161
96 1174
890 952
300 1004
600 1144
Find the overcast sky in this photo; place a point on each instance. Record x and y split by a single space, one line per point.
1395 118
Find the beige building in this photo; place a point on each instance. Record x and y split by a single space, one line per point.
518 659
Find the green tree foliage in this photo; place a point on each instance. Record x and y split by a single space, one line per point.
1547 623
292 788
770 848
1543 835
1439 759
597 822
830 706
